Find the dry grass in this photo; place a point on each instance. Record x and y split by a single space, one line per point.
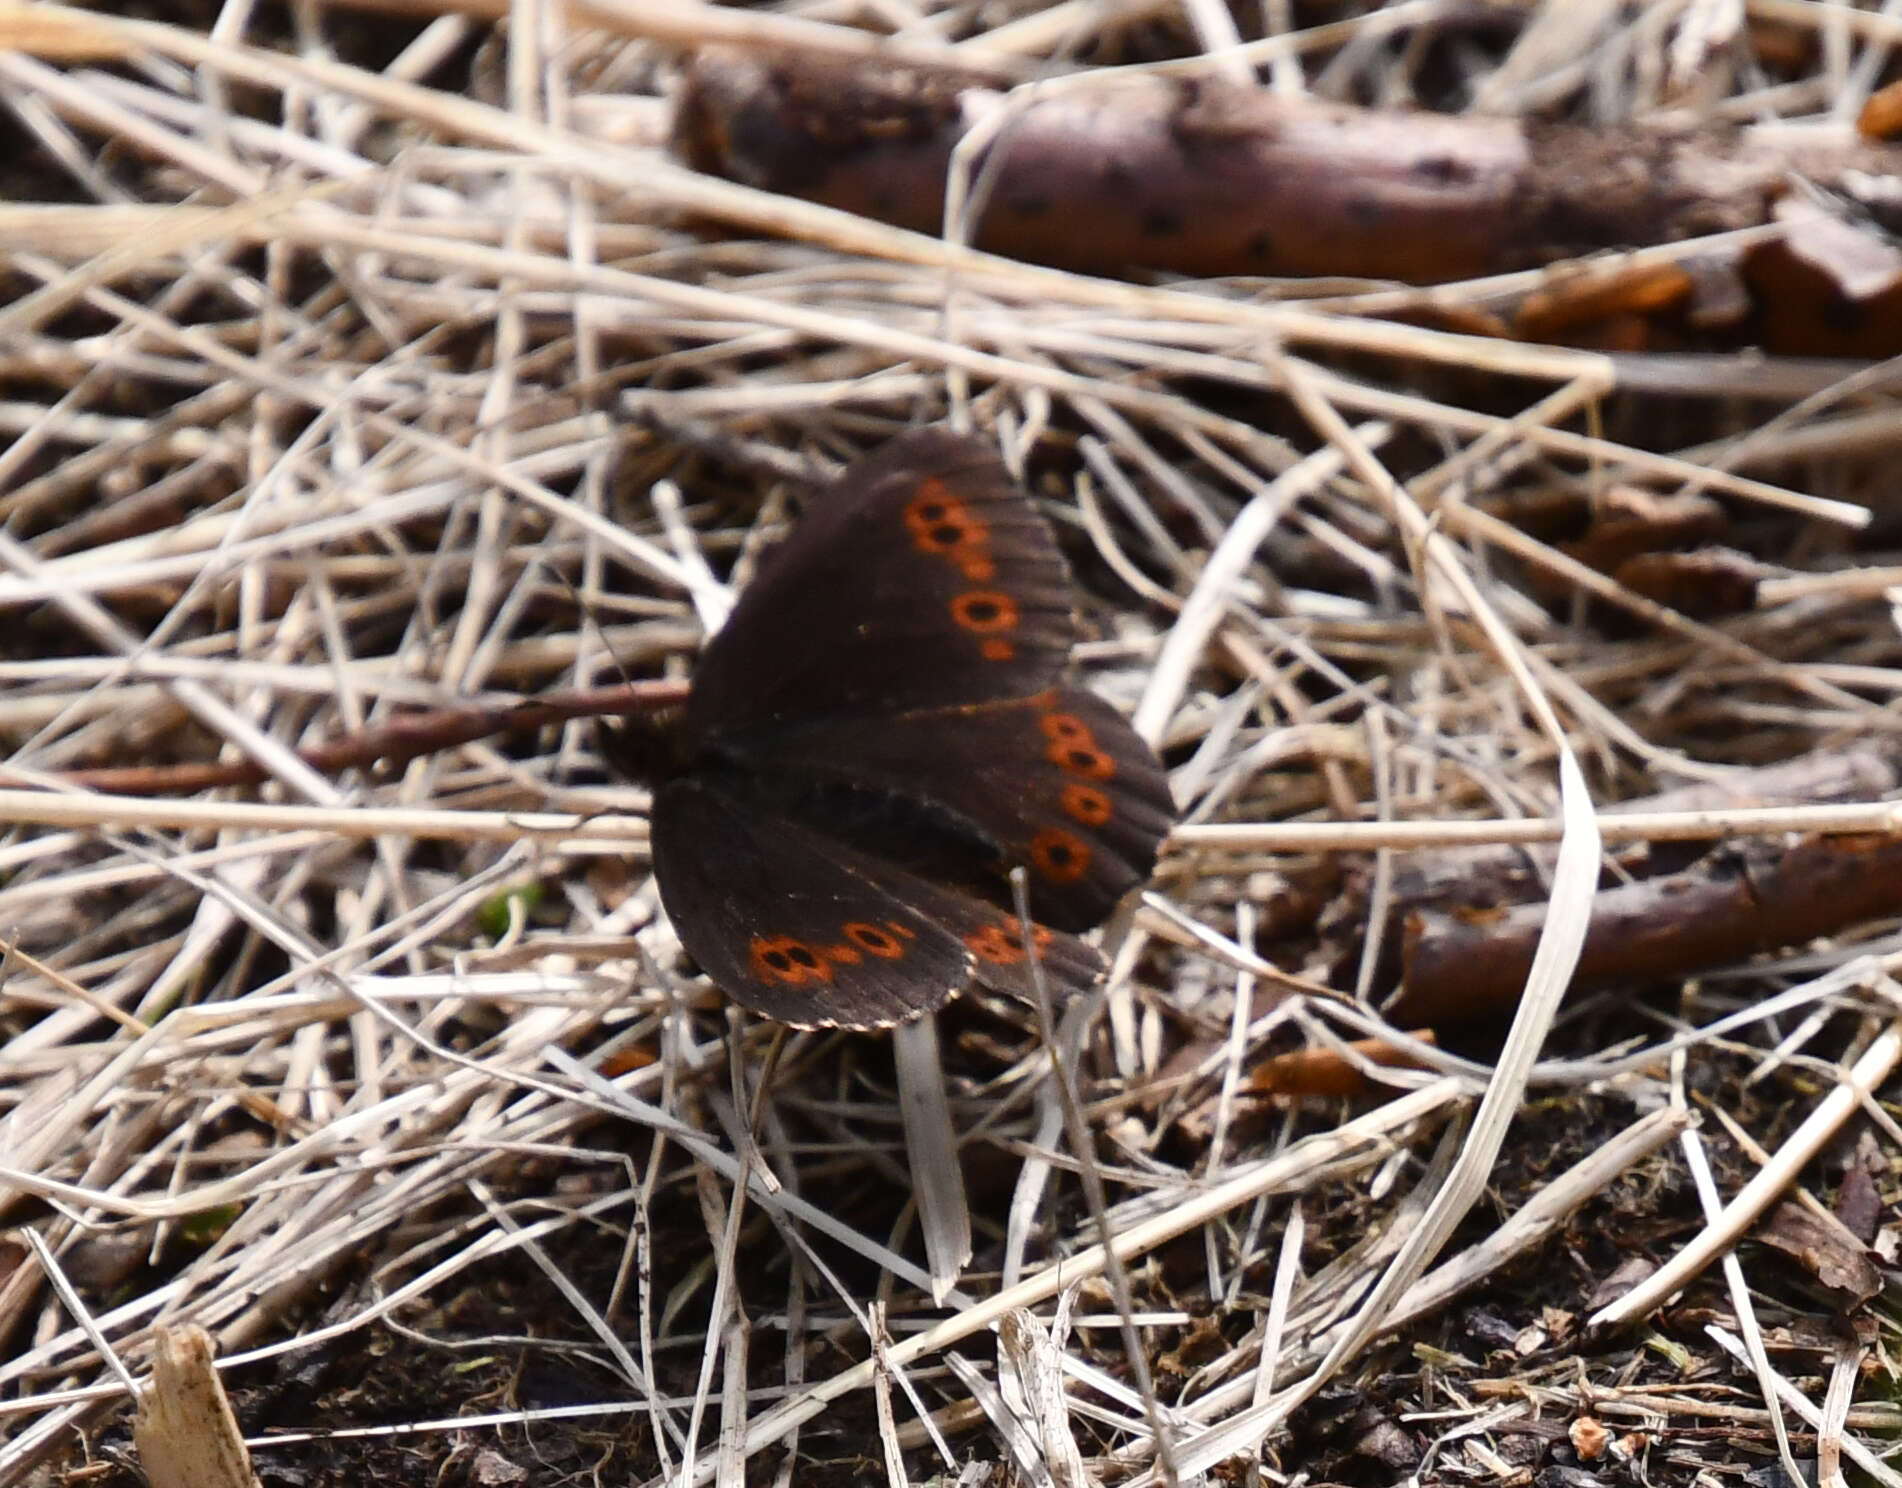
331 389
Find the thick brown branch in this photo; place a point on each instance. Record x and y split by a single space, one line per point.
1754 899
1202 177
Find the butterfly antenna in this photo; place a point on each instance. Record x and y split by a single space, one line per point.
637 744
1079 1135
589 622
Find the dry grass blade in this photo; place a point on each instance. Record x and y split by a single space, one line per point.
944 1212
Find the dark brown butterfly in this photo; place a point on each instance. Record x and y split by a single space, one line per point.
878 735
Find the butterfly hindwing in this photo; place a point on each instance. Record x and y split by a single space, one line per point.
1071 967
1057 782
809 931
924 577
782 923
994 936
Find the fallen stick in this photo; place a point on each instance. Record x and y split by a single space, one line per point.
1751 899
1205 177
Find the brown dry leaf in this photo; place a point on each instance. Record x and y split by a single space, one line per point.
1881 116
1628 520
1624 1278
1859 1205
1576 300
1589 1438
1861 264
1703 585
1826 1249
1326 1072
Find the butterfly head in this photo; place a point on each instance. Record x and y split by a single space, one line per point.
649 748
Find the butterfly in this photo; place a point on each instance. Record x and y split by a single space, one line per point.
878 734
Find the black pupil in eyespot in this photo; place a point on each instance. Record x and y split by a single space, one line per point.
1082 758
1059 853
778 960
983 610
931 513
803 957
946 536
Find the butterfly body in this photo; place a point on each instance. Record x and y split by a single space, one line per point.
877 736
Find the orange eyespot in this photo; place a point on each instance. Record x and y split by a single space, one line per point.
1065 728
788 960
985 611
929 496
992 944
1073 747
1085 760
1013 931
1087 804
994 650
1003 944
1059 856
877 941
941 525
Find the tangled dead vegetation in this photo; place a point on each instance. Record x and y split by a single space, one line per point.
357 367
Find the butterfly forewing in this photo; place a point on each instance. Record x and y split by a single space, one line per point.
923 578
1057 782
